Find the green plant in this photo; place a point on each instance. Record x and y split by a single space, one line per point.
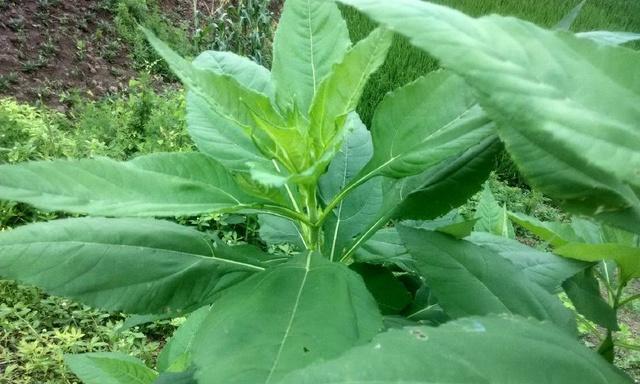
131 13
287 145
36 331
405 63
244 27
577 239
587 241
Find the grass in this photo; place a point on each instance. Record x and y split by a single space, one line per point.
405 63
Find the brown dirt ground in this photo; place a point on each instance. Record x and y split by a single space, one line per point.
50 48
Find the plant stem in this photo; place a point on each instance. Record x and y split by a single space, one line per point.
628 300
340 196
286 212
313 230
607 347
627 346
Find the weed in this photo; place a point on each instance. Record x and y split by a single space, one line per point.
37 330
7 80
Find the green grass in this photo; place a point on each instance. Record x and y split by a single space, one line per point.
405 63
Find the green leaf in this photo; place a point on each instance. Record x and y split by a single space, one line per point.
610 37
554 233
311 38
176 354
492 218
385 248
339 93
110 368
222 92
392 296
279 230
136 320
452 224
283 319
215 133
359 207
165 184
476 350
543 268
446 186
568 20
248 73
425 308
471 280
584 291
566 108
132 265
185 377
627 257
424 123
434 192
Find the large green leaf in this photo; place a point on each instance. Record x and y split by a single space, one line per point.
359 207
222 92
248 73
215 133
424 123
610 37
445 186
385 248
166 184
492 350
176 354
339 93
110 368
584 291
278 230
627 257
471 280
311 38
133 265
285 318
543 268
567 108
433 193
554 233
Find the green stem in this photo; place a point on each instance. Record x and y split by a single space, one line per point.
358 181
627 346
312 228
607 347
594 330
628 300
607 282
286 212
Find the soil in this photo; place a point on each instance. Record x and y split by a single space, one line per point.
49 48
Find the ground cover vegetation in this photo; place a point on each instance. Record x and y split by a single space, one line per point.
38 330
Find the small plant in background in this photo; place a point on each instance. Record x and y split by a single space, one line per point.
244 27
38 330
241 26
